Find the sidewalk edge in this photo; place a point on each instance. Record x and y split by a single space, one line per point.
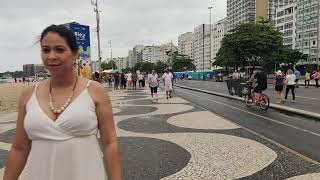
274 106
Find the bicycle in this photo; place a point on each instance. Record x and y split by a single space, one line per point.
263 100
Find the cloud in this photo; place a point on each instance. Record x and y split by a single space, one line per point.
125 22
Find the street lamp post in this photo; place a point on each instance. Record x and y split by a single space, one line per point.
96 10
210 36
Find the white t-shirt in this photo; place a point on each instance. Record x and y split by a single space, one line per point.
140 77
129 77
290 79
167 78
153 80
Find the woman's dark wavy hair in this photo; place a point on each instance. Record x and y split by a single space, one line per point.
65 33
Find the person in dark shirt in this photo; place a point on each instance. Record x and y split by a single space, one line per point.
261 78
261 82
116 77
278 84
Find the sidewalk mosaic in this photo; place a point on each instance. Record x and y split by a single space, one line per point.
174 139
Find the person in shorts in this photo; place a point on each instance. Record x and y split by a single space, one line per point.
278 85
167 80
153 82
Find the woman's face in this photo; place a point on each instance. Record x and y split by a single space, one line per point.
56 54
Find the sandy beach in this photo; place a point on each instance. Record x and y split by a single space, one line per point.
9 96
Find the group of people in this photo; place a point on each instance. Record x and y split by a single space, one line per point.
125 80
129 81
154 82
315 75
290 80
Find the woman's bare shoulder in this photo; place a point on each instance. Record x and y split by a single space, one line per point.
97 91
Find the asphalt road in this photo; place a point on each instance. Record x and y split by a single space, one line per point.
307 99
295 133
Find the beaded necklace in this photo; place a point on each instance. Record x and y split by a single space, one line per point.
66 104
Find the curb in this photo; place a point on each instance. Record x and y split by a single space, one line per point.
274 106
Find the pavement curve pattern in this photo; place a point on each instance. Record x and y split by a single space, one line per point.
173 139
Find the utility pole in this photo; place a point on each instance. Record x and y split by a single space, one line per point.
210 37
203 34
318 18
96 10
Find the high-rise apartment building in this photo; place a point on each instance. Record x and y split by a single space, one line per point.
130 59
285 22
307 29
274 5
245 11
202 47
186 44
121 62
32 69
137 55
218 32
154 53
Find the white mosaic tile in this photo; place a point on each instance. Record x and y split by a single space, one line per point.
201 120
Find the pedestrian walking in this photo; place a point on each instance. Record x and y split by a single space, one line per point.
307 79
298 76
59 119
167 80
116 81
143 82
153 82
290 84
278 85
316 77
109 79
123 81
129 80
134 80
235 75
140 79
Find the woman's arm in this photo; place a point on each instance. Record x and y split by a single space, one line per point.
107 130
21 145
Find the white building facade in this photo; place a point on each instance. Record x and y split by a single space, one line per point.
202 47
274 5
137 54
153 54
121 62
240 12
285 22
186 44
218 32
130 59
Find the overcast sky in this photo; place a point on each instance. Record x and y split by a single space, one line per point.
125 22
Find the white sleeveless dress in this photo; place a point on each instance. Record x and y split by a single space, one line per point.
68 148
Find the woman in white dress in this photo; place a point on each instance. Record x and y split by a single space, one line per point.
59 119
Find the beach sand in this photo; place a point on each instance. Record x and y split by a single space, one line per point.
9 96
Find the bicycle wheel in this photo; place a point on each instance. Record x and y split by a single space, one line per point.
264 102
248 100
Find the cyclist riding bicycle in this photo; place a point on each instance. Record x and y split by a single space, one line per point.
261 82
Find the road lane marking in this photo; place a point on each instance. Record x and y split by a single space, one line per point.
263 137
308 98
254 114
